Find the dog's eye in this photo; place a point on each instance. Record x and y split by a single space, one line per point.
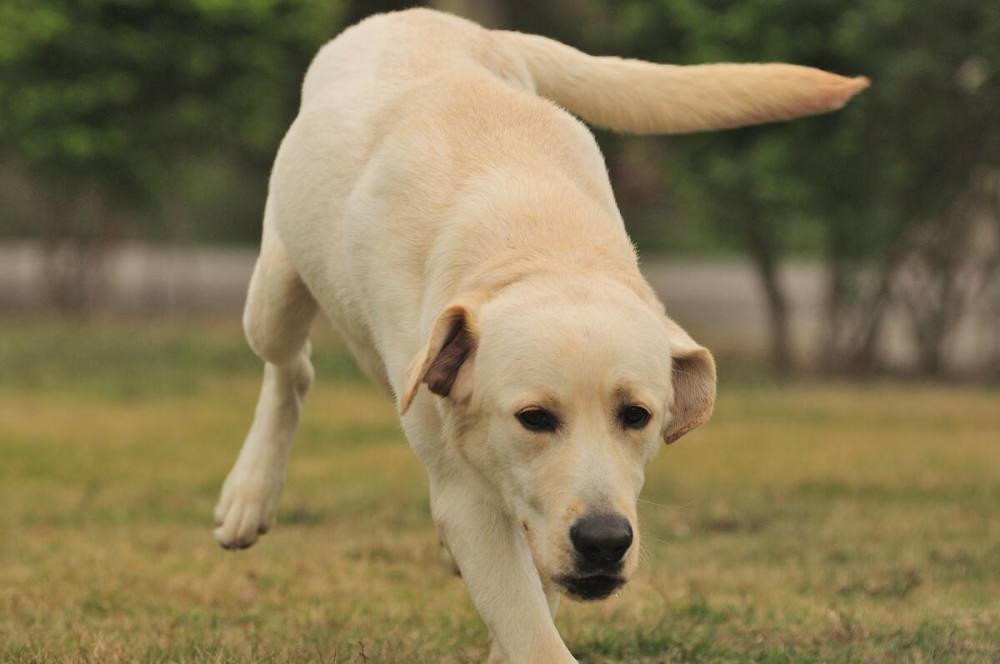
537 419
634 417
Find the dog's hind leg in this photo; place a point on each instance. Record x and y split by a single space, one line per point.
278 313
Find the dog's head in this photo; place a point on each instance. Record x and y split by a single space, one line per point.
559 394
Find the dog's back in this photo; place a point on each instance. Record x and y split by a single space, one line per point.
616 93
399 114
402 111
399 49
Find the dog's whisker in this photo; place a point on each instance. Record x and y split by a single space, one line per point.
677 506
654 538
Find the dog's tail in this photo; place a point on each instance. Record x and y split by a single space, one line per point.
644 98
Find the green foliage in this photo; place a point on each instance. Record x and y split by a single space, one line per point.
128 99
174 106
897 154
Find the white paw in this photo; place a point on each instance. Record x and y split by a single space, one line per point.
246 507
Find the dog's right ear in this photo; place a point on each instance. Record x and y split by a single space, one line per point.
445 363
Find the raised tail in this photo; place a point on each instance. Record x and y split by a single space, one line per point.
639 97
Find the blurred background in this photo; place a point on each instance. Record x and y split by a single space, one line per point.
136 139
842 505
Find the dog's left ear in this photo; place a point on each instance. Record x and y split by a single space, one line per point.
445 363
693 376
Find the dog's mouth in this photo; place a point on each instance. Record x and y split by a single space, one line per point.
589 588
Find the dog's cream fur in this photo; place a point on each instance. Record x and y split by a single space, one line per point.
459 230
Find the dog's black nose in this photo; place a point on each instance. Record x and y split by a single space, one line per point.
601 539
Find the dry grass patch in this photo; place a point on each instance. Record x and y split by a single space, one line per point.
807 523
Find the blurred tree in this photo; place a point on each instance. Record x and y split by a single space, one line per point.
876 177
914 154
137 118
121 108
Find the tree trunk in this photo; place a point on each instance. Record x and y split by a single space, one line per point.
80 228
764 253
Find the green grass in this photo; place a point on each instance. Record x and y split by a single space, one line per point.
805 523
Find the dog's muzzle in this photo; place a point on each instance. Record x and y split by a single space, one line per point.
600 542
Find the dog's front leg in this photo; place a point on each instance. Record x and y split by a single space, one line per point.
496 654
497 568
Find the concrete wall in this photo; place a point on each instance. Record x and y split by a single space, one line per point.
718 301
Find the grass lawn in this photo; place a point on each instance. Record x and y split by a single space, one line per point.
803 523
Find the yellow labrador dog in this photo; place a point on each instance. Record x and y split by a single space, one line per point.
438 201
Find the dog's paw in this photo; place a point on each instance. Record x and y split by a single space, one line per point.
246 508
